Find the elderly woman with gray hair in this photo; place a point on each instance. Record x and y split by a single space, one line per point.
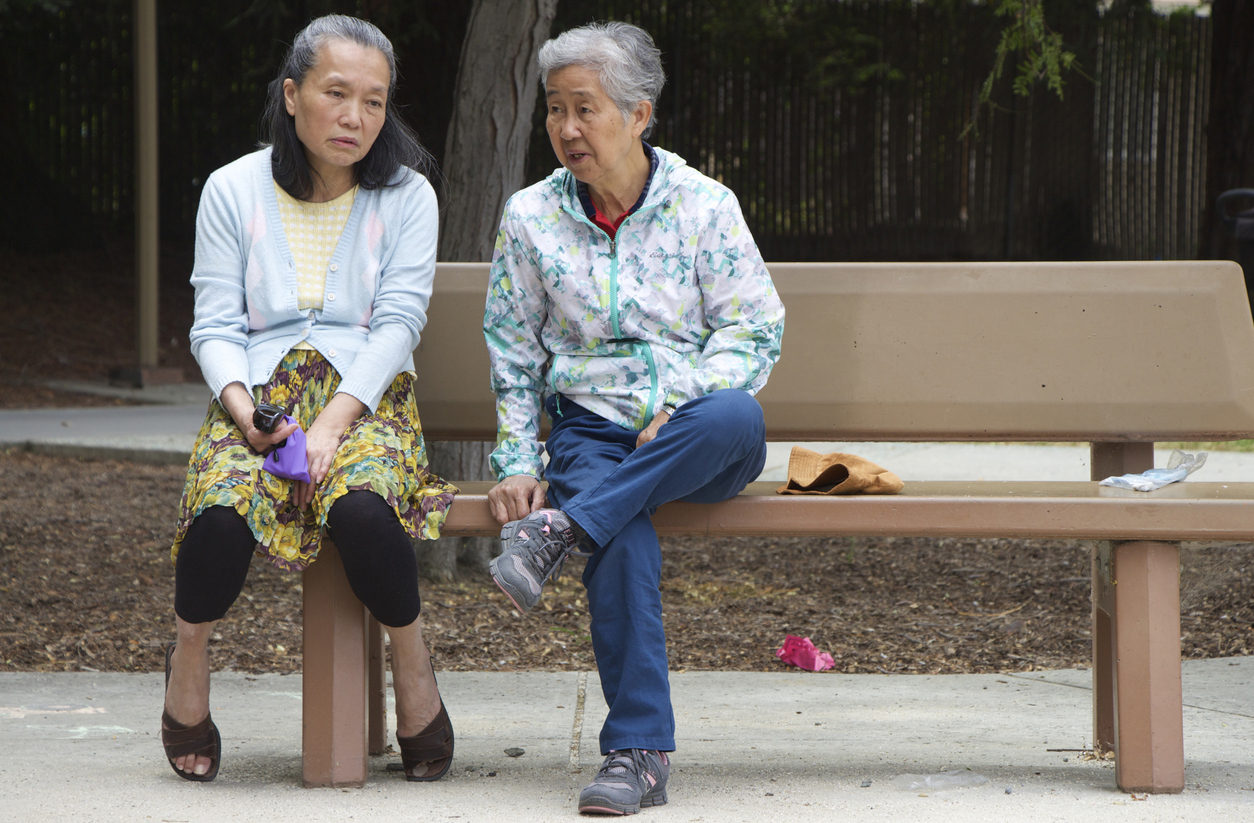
627 299
314 263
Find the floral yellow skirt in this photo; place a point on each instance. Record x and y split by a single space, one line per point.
381 452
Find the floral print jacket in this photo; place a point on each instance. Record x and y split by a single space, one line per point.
678 305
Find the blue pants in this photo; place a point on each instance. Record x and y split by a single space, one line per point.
709 450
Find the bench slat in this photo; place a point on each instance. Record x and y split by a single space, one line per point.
1048 510
1123 351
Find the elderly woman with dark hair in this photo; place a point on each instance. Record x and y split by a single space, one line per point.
314 264
628 299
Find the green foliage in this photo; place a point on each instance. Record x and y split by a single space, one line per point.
1039 50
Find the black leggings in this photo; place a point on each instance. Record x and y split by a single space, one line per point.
377 555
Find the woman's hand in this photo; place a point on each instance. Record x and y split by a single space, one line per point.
239 404
515 497
323 439
650 431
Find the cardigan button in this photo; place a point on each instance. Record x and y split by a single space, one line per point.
334 267
330 352
331 298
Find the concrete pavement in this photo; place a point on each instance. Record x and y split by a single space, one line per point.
751 747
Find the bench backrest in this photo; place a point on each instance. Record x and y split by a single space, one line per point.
1138 351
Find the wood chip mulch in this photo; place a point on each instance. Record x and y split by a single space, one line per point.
86 584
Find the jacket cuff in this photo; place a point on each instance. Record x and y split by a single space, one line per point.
223 363
511 463
369 395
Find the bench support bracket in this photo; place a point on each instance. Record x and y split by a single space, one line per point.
1113 459
377 688
1137 699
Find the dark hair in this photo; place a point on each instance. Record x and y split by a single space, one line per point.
396 146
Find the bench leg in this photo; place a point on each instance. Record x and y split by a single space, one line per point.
1105 460
1137 632
1103 652
376 689
336 658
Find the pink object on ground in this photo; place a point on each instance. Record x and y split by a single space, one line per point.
800 652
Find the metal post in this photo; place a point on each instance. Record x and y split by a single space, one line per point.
144 371
146 225
146 177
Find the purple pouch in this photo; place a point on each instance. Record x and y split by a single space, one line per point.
290 459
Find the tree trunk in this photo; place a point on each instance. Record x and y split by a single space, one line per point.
484 157
440 559
1230 130
486 148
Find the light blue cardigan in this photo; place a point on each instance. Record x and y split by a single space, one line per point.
377 287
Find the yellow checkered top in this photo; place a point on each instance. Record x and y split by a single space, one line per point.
313 230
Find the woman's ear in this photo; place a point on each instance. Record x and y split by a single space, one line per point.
289 95
640 117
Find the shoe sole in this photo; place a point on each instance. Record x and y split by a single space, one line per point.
501 586
652 798
507 534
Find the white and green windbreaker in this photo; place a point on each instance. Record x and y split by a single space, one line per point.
679 305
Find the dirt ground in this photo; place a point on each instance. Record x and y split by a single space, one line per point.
86 582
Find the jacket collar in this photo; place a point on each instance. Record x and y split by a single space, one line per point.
655 193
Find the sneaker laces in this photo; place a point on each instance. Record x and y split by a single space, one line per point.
556 549
619 764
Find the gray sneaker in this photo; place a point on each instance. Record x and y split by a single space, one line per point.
627 780
533 550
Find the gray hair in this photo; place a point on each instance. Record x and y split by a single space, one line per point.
624 57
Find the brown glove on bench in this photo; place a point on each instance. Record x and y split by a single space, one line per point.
813 473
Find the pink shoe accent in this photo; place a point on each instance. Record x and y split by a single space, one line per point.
510 596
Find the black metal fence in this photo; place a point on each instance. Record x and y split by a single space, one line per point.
840 125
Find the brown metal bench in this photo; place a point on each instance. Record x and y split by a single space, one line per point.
1115 354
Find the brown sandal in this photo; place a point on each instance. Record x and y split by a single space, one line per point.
201 740
430 746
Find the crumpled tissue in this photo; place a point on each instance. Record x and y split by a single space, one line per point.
290 459
1179 466
800 652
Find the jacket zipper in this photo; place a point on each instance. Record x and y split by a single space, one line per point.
649 407
615 328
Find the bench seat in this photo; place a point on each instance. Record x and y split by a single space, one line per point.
1080 510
